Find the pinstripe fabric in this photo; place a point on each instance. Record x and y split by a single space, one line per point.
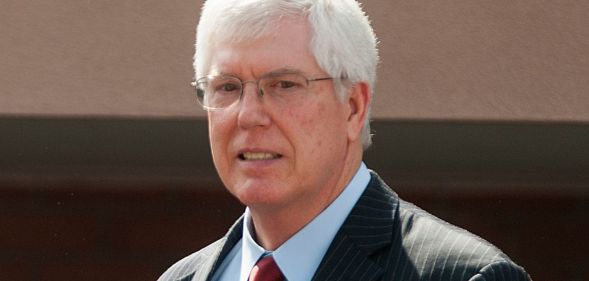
383 238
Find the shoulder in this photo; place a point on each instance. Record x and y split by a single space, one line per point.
442 251
185 268
424 247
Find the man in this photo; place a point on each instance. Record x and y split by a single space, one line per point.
287 85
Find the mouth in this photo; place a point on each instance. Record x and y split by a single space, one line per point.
258 156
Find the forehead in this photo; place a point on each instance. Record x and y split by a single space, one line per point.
287 46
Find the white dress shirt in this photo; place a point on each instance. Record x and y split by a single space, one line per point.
299 257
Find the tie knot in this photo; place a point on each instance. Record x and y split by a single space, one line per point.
266 269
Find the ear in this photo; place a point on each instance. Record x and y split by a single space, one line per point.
358 99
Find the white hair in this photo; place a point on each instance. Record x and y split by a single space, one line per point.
343 42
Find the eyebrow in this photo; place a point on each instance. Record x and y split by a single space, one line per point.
283 70
279 71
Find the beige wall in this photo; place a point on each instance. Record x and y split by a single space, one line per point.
481 60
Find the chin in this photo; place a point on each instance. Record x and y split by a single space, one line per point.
252 194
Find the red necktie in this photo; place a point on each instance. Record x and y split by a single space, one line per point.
266 270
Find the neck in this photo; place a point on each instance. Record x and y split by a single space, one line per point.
275 225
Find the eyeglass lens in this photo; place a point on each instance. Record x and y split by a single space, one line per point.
222 91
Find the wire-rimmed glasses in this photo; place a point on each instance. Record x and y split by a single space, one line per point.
220 91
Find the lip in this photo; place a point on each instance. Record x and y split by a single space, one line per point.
257 167
257 155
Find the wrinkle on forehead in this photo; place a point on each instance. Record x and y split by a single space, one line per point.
275 72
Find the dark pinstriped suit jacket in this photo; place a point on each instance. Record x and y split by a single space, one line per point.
383 238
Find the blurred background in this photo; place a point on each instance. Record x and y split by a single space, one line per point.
481 117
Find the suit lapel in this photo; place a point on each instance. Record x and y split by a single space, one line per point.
350 256
367 229
212 263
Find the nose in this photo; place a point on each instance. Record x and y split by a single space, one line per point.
252 110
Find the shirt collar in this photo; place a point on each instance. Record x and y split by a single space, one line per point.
312 241
250 251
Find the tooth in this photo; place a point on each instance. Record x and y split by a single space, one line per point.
258 156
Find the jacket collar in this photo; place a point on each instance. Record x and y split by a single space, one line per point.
368 229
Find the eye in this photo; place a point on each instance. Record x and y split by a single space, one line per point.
226 87
285 84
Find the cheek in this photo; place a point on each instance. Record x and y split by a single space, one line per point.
320 127
304 124
219 133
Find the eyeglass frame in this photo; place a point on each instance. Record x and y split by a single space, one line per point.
260 92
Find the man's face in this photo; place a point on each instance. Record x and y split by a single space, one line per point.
271 156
